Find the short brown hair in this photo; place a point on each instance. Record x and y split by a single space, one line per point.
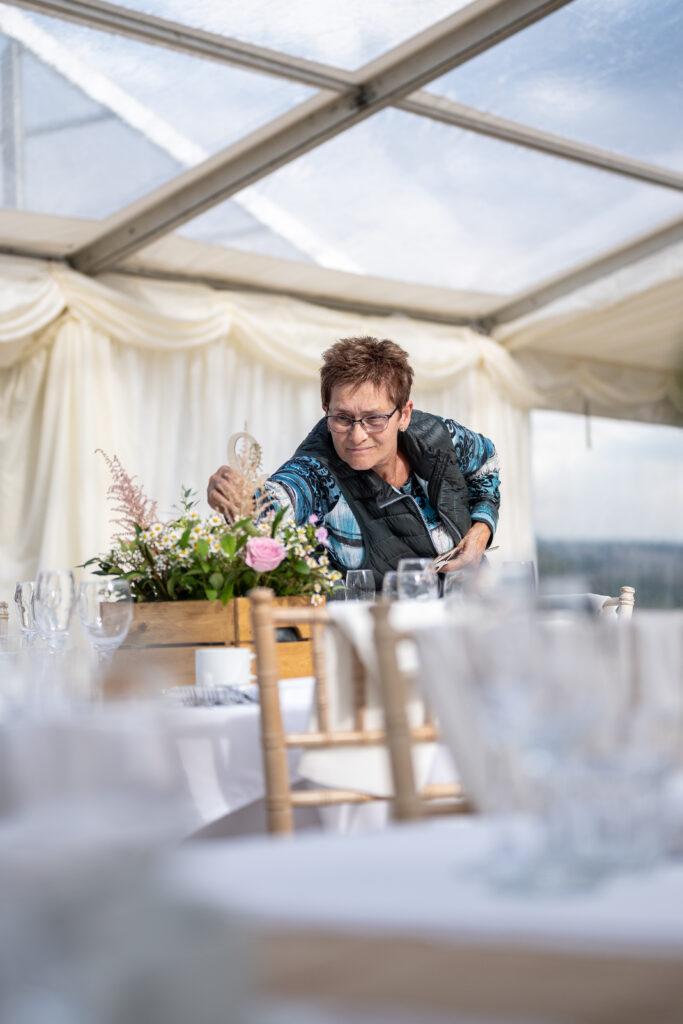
358 361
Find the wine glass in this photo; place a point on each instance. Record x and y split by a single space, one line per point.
360 585
417 580
23 609
105 612
456 585
390 586
53 605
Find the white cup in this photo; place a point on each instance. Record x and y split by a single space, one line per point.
223 666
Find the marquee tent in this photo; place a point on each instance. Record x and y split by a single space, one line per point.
197 199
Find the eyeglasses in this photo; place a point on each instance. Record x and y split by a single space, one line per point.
375 423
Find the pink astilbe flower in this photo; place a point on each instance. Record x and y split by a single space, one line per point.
313 519
128 499
321 536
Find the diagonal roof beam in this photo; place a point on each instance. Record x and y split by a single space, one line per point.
385 81
447 111
556 287
147 28
159 132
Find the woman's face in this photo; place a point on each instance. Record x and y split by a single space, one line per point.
357 448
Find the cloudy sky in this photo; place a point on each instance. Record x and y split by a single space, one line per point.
628 485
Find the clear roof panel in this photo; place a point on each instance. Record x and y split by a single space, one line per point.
101 120
412 199
345 33
605 72
255 226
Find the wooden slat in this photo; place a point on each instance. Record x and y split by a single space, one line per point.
354 737
275 767
181 622
407 805
159 667
287 611
439 790
330 797
164 636
295 659
447 807
322 702
176 665
360 695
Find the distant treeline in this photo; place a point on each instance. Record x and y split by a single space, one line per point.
655 570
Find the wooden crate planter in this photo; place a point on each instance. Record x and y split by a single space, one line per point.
166 634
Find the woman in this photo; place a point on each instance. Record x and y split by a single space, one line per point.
387 482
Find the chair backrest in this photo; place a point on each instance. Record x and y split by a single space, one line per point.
281 798
594 604
624 603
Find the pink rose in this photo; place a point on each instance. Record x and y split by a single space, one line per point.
264 554
321 536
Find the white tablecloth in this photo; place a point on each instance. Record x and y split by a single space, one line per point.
406 918
220 750
205 759
426 879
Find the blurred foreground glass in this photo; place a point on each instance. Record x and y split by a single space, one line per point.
105 612
459 585
565 597
518 577
612 801
567 734
53 605
360 585
23 609
390 585
417 580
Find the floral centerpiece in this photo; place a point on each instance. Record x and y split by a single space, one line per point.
193 558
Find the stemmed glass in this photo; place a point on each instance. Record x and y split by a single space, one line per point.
23 609
360 585
53 605
105 612
417 580
390 586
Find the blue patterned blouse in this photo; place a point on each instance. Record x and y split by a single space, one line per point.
310 489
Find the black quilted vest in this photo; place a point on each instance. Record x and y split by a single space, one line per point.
391 523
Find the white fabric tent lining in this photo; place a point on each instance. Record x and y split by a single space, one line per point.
162 374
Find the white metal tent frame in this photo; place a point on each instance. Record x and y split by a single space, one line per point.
344 99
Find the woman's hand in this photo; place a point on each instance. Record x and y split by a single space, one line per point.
469 551
219 493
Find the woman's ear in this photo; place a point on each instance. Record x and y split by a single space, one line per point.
406 413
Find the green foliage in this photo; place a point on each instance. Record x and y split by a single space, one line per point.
190 559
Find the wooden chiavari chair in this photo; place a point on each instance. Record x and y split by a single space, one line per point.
281 798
